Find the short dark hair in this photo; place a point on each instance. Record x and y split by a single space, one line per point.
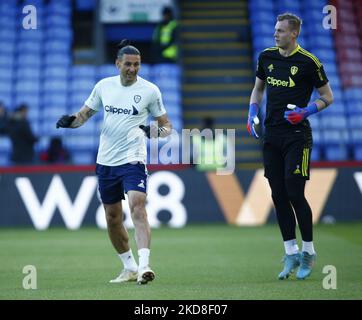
294 21
124 47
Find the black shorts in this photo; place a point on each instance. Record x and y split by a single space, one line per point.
287 156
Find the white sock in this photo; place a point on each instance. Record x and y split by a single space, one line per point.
307 246
128 260
144 255
291 247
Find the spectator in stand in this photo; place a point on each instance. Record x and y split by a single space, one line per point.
56 153
3 119
21 136
165 38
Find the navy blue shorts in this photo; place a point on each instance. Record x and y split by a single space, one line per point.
113 182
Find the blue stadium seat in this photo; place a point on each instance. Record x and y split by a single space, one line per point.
314 122
334 80
263 42
357 153
107 70
33 114
356 137
333 121
84 157
316 154
31 35
167 84
48 128
263 28
330 68
5 144
86 5
57 46
7 99
53 112
59 86
354 107
77 140
58 59
324 55
335 109
32 100
291 6
7 48
84 71
261 4
77 99
355 122
29 59
261 15
58 21
145 71
56 72
8 8
5 87
353 94
27 73
336 153
82 85
166 71
59 34
335 137
30 47
55 99
60 7
27 86
36 3
6 61
7 35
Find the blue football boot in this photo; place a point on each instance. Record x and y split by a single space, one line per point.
306 265
291 261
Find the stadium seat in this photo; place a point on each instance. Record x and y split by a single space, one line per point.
63 60
6 61
166 71
5 144
83 157
56 72
59 33
261 4
336 153
106 70
84 84
30 59
333 121
27 86
7 35
30 99
55 85
316 154
58 21
57 46
77 99
28 73
55 99
83 71
7 47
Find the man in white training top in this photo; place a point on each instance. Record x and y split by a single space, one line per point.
126 101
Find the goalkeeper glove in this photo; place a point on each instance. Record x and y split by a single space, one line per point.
253 120
65 121
297 115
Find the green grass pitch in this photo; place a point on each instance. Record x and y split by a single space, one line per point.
193 263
